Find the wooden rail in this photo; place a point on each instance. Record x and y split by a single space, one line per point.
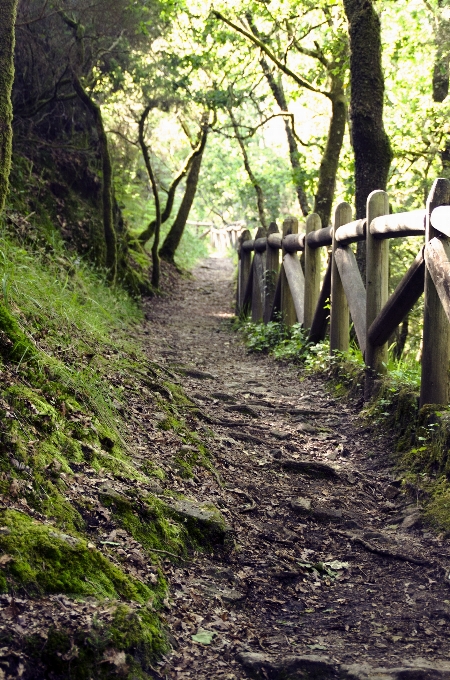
290 287
220 239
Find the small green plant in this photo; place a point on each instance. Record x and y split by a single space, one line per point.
284 342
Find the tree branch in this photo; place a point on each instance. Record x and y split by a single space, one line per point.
283 67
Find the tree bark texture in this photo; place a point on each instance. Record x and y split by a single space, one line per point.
173 238
152 178
371 145
7 35
107 189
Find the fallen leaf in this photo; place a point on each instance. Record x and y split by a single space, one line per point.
336 565
203 636
317 647
116 658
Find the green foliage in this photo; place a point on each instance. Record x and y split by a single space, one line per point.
284 342
15 346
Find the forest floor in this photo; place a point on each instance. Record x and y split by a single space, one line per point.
329 570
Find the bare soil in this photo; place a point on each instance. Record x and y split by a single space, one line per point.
330 560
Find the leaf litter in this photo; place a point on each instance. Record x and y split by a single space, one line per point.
306 587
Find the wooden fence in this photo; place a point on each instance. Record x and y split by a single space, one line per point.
294 289
227 237
220 239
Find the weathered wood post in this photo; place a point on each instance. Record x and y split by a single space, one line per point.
288 314
271 273
377 287
259 267
245 263
436 336
339 318
312 271
319 324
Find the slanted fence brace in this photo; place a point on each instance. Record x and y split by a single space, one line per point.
290 288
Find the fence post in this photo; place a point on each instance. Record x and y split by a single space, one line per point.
436 337
288 315
377 287
339 318
271 273
312 271
259 266
245 263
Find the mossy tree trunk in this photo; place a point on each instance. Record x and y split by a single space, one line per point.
107 188
251 176
373 154
173 238
7 35
152 178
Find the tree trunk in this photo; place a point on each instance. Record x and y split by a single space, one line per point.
147 234
371 145
251 176
107 190
151 176
441 72
173 238
277 89
7 36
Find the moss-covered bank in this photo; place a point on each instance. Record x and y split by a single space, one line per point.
85 525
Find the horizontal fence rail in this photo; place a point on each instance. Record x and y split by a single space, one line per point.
220 239
279 276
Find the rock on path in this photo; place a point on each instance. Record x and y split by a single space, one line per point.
333 573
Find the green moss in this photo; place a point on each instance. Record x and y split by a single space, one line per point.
45 560
204 524
84 655
170 422
57 508
152 470
148 521
14 344
178 394
438 508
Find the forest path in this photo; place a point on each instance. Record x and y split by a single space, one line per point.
304 592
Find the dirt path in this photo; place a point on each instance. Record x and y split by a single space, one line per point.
332 565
